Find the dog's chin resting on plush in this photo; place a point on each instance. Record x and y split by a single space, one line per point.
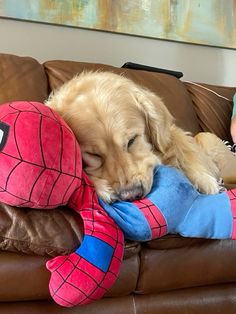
125 130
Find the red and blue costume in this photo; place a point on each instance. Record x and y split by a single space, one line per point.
40 167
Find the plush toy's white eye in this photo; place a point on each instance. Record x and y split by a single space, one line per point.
93 161
4 130
1 135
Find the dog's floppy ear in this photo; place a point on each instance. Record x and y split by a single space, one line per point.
158 118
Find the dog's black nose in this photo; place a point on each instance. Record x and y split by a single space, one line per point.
132 193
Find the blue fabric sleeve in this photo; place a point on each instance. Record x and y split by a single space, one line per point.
130 219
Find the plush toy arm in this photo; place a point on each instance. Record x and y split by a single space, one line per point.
130 219
87 274
174 206
211 216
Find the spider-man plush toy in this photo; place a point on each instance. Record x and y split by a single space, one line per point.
40 167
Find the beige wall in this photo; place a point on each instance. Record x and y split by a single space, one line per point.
47 42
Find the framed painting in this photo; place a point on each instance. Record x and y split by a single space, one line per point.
211 22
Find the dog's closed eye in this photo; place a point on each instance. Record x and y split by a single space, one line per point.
93 161
131 141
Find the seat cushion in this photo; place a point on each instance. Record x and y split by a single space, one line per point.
197 262
25 277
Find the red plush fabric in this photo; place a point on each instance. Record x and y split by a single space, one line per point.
41 167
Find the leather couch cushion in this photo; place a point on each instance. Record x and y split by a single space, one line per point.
213 105
211 299
41 232
25 277
172 90
208 299
44 232
203 262
22 78
173 241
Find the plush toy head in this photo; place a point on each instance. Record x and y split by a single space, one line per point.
41 167
41 158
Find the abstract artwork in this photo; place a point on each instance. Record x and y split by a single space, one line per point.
205 22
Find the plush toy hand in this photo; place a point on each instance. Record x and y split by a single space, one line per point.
86 275
175 206
41 167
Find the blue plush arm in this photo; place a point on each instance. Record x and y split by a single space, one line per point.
175 206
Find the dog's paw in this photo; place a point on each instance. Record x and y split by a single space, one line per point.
208 185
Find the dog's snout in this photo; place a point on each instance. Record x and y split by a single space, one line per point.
132 193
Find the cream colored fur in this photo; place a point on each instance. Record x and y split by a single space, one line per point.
124 131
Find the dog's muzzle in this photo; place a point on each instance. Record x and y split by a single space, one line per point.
131 193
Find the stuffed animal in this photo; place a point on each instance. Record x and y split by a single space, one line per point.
41 167
175 206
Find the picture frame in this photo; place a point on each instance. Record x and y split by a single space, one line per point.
210 23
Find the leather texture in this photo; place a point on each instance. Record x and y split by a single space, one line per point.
169 275
213 106
22 78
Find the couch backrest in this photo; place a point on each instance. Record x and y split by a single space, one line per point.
213 106
22 78
196 107
172 90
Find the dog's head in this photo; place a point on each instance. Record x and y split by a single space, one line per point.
121 129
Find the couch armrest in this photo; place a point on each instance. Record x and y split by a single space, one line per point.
40 232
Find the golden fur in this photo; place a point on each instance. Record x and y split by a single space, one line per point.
124 131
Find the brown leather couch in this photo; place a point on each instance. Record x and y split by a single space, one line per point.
168 275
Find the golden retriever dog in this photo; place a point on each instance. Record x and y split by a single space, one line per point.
125 131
